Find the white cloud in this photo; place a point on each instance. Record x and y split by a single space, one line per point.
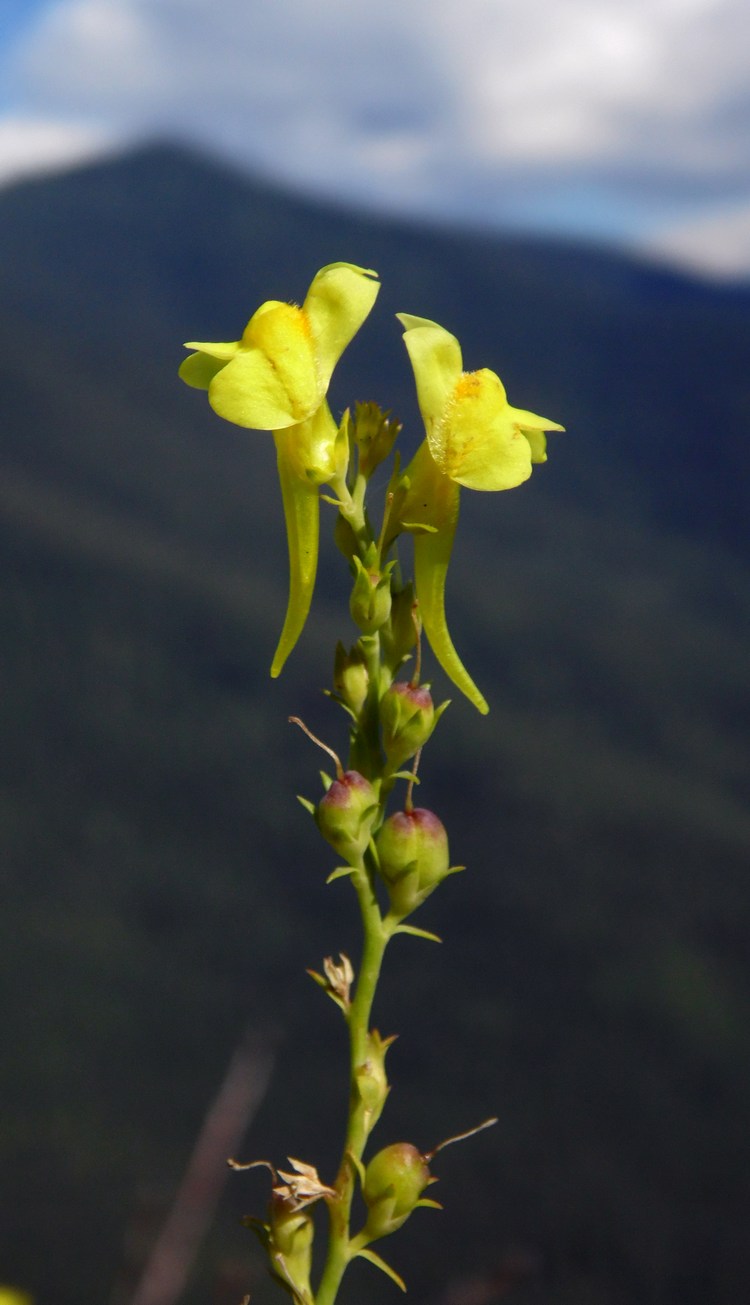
471 109
33 145
718 244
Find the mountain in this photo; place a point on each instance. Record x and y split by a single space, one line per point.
162 891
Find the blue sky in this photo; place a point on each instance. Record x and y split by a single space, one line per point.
626 120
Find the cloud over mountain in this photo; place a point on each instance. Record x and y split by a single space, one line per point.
611 118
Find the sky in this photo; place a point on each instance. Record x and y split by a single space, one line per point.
621 120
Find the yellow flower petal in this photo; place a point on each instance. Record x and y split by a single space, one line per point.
251 391
339 299
477 444
537 443
198 370
532 420
281 333
436 359
222 350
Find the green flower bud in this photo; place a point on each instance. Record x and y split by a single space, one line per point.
346 814
287 1239
288 1235
393 1185
370 603
291 1234
372 1083
350 676
412 849
344 538
400 636
408 718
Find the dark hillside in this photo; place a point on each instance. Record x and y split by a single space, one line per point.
160 891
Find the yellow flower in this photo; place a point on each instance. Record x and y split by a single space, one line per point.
474 438
276 378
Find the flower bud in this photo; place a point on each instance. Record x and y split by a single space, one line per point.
400 636
346 814
374 433
372 1083
412 849
394 1181
350 677
344 537
290 1237
291 1229
408 718
370 602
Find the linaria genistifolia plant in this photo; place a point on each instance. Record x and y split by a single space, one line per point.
276 378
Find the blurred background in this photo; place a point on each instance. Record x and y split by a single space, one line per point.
567 189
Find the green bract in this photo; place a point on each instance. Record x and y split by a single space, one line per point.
276 378
474 438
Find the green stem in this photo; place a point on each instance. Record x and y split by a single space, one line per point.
365 756
375 941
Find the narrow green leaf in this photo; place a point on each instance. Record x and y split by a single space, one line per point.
417 933
340 873
380 1263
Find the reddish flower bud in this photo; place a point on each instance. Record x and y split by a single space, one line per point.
346 814
408 717
412 849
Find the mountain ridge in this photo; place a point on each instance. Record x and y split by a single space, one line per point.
593 988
